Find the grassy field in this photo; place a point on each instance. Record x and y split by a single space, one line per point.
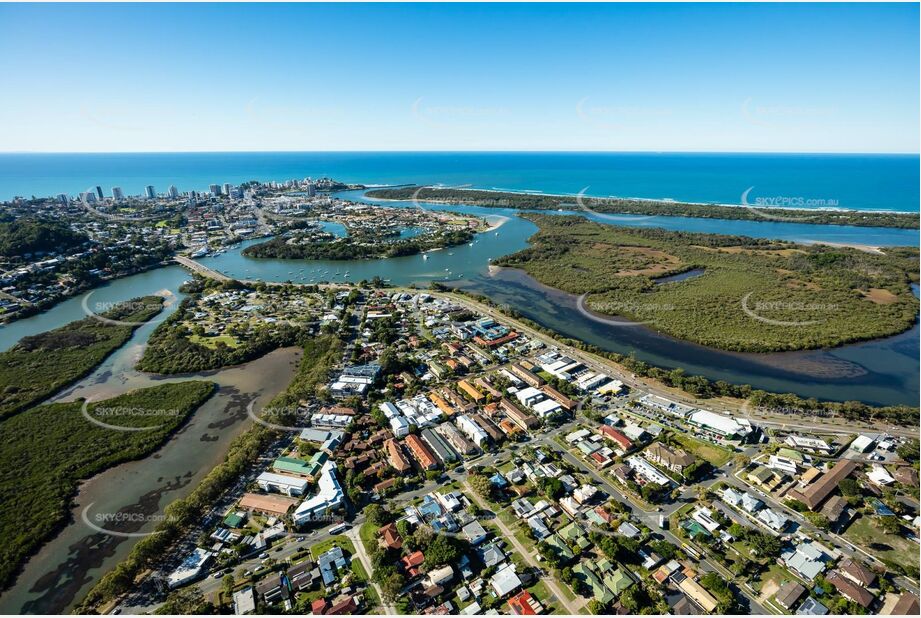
715 455
753 295
48 449
340 540
886 547
211 342
40 365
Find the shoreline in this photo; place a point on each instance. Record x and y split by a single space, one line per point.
651 200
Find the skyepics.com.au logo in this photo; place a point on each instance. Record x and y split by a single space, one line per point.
619 117
759 205
110 416
612 308
122 523
99 310
757 310
584 204
787 116
279 418
452 115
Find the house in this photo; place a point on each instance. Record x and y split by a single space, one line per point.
907 605
272 588
331 563
789 594
505 581
412 562
857 572
811 607
244 601
440 576
475 532
835 509
807 560
849 590
345 607
698 594
773 520
301 576
765 478
390 537
524 604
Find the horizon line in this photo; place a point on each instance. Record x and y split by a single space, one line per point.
468 151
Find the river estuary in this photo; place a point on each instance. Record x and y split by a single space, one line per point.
884 371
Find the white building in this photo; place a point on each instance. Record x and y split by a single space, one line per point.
647 471
190 569
328 498
724 426
530 396
471 430
282 483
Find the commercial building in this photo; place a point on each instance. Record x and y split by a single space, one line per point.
674 460
527 376
282 483
471 430
519 417
267 504
395 456
816 493
190 569
723 426
439 446
421 453
328 498
647 471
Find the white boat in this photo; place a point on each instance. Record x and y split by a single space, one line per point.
425 257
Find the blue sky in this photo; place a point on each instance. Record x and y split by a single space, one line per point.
782 78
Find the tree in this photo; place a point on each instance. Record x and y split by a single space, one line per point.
378 515
889 524
551 487
392 586
227 584
442 550
185 601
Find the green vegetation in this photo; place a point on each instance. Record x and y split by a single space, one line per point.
47 450
340 540
896 552
716 456
702 387
176 347
319 354
40 365
356 247
753 295
495 199
21 236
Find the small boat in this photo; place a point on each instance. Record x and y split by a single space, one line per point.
471 244
425 257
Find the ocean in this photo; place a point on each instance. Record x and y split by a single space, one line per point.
859 182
